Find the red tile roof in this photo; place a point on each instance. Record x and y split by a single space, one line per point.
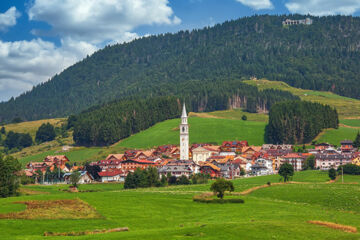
111 173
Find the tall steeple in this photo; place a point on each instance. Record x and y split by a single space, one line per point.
184 135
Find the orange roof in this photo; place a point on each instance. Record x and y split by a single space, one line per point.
213 166
58 157
117 156
292 155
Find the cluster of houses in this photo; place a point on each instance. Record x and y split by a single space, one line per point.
229 160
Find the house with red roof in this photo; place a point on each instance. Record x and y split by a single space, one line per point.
211 169
131 164
233 146
112 175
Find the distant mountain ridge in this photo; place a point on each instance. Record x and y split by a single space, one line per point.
321 56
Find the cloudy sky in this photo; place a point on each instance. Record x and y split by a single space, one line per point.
39 38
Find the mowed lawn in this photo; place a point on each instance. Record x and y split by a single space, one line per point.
276 212
202 130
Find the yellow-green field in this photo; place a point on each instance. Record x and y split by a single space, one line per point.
32 126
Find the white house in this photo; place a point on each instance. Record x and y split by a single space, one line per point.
115 175
262 167
85 177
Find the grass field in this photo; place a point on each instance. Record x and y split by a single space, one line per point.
335 136
234 114
346 107
276 212
351 122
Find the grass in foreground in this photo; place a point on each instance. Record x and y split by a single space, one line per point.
53 209
277 212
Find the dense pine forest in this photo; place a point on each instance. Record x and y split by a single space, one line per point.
299 121
108 123
321 56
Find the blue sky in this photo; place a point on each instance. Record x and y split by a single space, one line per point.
39 38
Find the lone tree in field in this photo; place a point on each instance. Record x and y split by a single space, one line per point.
332 173
286 171
220 186
75 178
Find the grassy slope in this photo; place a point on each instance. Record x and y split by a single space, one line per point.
346 107
32 126
334 136
201 130
278 212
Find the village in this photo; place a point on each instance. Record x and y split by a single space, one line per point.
231 159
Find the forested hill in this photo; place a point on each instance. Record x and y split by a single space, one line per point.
321 56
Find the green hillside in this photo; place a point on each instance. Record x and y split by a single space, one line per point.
322 56
346 107
202 130
276 212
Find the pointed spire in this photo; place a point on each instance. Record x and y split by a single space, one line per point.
184 115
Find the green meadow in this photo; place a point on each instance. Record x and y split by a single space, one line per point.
202 130
335 136
275 212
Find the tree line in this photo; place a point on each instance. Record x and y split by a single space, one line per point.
322 56
149 177
297 122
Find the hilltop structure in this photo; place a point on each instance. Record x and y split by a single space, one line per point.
184 136
306 21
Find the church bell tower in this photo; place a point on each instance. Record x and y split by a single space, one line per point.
184 136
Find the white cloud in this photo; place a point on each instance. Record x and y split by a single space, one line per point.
24 64
8 18
257 4
323 7
83 26
97 21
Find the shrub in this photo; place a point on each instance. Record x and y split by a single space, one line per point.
244 117
332 174
206 198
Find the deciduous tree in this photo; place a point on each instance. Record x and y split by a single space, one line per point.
220 186
286 171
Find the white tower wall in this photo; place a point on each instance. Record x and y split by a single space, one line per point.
184 136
